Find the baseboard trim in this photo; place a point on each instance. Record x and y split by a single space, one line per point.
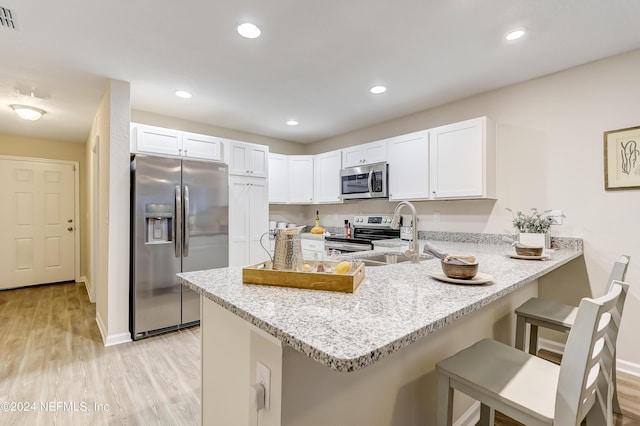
621 365
115 339
88 287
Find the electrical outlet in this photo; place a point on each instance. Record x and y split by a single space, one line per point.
556 217
263 376
436 217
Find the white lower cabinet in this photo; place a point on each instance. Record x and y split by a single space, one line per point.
312 248
248 220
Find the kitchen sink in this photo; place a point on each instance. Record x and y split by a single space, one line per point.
388 259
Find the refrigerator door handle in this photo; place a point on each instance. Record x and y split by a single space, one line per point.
177 221
185 221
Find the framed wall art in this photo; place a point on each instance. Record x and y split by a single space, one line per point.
622 159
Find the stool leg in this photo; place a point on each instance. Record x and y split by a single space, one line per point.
533 340
615 403
445 401
521 329
487 415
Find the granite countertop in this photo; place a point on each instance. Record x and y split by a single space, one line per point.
394 305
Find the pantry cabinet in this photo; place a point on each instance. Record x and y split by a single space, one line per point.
326 180
248 220
159 140
462 160
368 153
248 159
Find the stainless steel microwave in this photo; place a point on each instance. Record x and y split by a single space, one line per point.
367 181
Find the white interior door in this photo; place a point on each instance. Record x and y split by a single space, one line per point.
37 223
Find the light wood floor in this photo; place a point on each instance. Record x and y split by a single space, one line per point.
51 353
52 358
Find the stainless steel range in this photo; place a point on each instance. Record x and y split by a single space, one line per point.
366 229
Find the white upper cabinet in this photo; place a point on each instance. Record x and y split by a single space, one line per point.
409 166
291 179
301 179
368 153
248 159
202 146
462 160
278 178
327 177
158 140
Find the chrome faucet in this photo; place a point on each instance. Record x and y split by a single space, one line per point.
413 252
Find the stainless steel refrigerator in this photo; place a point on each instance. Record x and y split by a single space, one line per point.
179 223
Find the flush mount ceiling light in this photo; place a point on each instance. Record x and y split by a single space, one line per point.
292 123
515 34
376 90
248 30
28 113
183 94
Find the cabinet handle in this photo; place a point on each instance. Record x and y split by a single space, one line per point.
185 152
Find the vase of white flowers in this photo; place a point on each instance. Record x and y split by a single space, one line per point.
533 229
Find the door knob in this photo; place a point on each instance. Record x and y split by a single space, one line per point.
70 228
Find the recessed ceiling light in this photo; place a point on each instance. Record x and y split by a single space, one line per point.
376 90
515 34
248 30
183 94
292 123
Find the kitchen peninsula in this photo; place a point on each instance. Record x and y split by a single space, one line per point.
351 359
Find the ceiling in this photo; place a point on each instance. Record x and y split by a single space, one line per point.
314 62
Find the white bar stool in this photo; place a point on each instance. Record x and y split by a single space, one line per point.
532 390
557 316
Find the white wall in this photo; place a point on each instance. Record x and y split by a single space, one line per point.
550 155
111 126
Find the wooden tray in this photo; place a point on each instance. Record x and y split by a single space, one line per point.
346 283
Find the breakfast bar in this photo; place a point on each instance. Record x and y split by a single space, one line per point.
366 357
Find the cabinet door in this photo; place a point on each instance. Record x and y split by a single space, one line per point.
278 178
353 156
258 220
247 159
456 163
259 155
301 179
409 166
239 158
375 152
157 140
238 221
368 153
327 177
201 146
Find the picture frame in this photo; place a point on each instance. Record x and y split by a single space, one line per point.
622 159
